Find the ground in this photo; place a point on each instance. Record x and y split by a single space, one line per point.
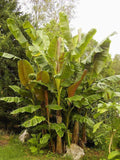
12 149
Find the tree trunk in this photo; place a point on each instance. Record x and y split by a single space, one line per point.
59 140
75 137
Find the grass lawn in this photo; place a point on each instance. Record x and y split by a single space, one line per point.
12 149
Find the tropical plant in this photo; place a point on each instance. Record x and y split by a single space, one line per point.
57 81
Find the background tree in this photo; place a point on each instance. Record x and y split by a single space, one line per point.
116 64
43 11
8 44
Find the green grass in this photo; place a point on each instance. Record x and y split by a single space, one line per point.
15 150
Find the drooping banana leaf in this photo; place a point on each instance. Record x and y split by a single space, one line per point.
29 109
45 138
72 89
24 69
34 121
98 56
111 79
80 48
59 128
11 99
9 56
14 29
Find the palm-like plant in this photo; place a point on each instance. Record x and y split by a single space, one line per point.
52 77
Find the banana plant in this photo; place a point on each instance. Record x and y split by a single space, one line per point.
55 71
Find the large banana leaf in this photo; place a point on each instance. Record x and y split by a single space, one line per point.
72 89
43 76
16 32
24 69
45 42
30 30
11 99
75 98
83 119
59 128
34 121
64 25
29 109
114 155
53 48
99 56
80 48
111 79
9 56
45 138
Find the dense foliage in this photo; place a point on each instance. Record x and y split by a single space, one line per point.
64 96
8 44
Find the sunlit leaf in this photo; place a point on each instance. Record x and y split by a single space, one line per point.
9 56
11 99
34 121
45 138
97 126
54 107
114 154
16 32
59 128
29 109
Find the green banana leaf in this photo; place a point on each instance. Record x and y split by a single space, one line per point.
80 48
30 30
14 29
98 56
45 138
11 99
9 56
24 69
54 107
33 122
75 98
59 128
111 79
114 155
29 109
64 25
97 126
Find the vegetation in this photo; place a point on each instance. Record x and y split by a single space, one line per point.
8 70
65 93
45 11
21 152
